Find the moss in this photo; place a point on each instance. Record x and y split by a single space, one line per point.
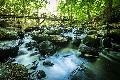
6 34
13 71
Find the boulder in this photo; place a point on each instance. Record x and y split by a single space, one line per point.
3 23
115 35
41 74
20 34
13 71
78 32
48 63
67 29
76 42
88 50
59 40
56 39
34 65
53 32
92 41
8 34
8 49
35 28
107 42
31 44
46 48
91 32
40 37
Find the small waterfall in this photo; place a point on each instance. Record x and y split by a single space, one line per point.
24 54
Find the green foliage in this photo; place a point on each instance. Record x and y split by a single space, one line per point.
21 7
80 9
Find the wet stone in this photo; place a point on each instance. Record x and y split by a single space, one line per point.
88 51
48 63
41 74
35 53
31 44
34 65
92 41
76 42
8 49
46 47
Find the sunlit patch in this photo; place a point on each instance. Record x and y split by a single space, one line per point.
50 8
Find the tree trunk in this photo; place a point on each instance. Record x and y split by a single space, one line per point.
88 11
108 11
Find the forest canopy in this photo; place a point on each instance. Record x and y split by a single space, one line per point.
71 10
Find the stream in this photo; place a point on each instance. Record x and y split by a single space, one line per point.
65 61
45 59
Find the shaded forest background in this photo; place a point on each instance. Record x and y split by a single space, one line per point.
69 12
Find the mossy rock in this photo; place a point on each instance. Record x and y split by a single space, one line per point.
46 47
88 50
92 41
8 49
8 34
12 71
53 32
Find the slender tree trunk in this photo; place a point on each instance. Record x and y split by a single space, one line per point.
88 11
108 11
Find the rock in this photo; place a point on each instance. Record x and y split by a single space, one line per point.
78 32
20 34
102 33
115 47
115 14
10 60
3 23
40 37
53 32
68 38
56 39
59 40
41 74
35 28
35 53
48 63
92 41
46 48
91 32
34 65
13 71
31 45
76 42
88 50
115 35
67 29
8 34
107 42
8 49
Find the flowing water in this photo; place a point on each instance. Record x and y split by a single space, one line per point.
65 61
